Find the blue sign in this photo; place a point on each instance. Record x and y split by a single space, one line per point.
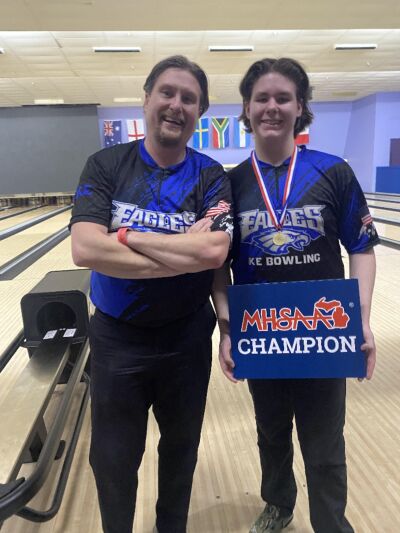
302 329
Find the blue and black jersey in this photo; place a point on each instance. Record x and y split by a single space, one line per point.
123 186
326 207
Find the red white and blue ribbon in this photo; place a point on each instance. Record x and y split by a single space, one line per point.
286 192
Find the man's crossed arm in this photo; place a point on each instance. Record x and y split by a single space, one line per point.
147 254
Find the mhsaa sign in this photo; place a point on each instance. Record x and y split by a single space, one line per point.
305 329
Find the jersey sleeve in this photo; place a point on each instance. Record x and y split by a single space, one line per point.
93 197
357 231
217 202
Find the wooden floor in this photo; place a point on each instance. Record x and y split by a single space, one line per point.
21 241
20 216
226 487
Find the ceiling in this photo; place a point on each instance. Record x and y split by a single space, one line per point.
48 45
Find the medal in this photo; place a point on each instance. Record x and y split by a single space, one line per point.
279 236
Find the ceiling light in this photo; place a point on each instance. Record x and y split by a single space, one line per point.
116 49
2 51
360 46
48 101
231 48
126 99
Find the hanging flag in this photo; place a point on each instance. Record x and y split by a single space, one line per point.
200 135
135 129
220 132
303 137
112 132
241 139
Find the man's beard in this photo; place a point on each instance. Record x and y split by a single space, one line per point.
169 141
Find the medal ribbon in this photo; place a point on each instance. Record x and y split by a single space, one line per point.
286 192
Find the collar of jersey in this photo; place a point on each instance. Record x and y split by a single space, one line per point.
144 154
283 164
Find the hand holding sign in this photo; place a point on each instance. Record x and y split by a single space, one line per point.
369 348
225 357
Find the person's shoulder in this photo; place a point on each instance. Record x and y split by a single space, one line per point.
317 157
326 162
330 165
203 161
239 169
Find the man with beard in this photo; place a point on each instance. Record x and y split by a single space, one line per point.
152 220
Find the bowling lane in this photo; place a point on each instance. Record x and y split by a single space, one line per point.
228 455
383 213
388 231
24 217
383 197
22 241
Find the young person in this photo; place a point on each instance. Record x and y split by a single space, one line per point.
151 333
295 204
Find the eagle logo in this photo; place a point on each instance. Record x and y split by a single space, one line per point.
293 239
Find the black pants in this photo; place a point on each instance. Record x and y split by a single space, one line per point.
318 406
132 369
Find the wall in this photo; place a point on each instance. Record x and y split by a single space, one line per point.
36 143
358 131
227 155
43 149
359 150
375 120
387 126
327 133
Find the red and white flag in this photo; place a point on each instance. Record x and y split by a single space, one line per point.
367 219
221 207
303 137
135 129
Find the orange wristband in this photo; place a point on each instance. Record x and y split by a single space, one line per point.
121 235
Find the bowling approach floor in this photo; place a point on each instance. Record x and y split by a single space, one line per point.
225 496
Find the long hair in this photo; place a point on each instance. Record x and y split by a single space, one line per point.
292 70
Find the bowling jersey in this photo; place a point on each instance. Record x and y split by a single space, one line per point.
326 206
123 186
